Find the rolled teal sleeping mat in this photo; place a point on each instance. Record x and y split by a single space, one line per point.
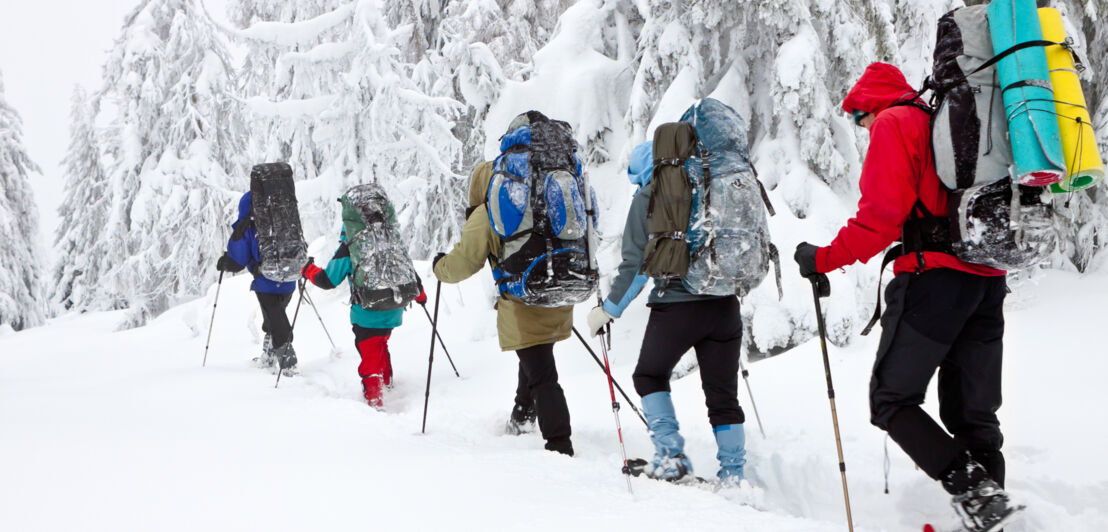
1028 95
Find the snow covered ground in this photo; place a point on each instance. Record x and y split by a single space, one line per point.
106 430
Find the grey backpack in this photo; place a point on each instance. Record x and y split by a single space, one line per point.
991 221
728 229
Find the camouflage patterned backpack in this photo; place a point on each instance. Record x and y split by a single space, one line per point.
383 277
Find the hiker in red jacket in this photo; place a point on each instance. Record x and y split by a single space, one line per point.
942 313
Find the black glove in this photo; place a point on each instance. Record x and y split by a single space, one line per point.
805 257
436 260
227 264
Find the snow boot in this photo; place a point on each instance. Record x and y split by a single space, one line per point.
670 462
372 388
286 358
731 441
266 359
981 503
521 421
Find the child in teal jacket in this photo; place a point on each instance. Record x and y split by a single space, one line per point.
372 328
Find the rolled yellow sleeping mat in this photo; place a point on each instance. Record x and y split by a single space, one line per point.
1084 167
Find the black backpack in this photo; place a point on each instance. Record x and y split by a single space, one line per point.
281 248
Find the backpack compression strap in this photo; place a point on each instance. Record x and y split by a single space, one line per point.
922 232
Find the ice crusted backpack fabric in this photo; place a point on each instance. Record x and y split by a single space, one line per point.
281 247
544 212
991 220
383 276
725 231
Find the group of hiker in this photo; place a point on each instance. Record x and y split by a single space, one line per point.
696 230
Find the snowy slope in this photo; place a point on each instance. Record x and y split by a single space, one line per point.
125 430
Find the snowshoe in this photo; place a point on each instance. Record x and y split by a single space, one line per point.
639 467
986 509
980 502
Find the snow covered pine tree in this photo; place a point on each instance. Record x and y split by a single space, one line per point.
21 301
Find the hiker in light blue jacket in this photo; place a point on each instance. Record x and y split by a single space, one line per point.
679 321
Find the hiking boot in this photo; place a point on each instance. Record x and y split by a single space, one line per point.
560 445
266 359
981 503
285 356
372 389
522 420
670 462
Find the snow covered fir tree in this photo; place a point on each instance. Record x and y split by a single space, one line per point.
411 94
21 293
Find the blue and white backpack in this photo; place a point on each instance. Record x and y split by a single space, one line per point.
544 212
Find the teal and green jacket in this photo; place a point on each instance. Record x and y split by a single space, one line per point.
338 270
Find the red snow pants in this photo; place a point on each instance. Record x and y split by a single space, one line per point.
376 367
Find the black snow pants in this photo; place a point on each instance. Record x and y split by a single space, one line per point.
713 327
274 320
538 384
953 322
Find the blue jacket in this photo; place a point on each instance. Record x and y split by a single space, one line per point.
243 249
339 269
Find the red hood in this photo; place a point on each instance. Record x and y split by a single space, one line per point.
880 86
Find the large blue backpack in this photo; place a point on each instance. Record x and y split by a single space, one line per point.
544 212
728 232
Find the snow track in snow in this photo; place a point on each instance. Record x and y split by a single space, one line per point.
124 430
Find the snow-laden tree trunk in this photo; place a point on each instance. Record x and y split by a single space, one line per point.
21 299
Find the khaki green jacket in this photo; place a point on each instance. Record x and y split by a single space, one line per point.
518 325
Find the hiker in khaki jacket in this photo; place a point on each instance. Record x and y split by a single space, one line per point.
528 330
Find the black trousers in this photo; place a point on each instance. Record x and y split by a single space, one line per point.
713 327
953 322
538 384
274 320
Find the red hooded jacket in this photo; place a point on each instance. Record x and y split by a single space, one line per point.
899 169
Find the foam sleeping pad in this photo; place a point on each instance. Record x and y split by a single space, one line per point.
1084 166
1028 96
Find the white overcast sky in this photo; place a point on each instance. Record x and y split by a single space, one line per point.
47 47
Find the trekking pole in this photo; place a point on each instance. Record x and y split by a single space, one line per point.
618 387
211 324
298 302
442 343
312 303
821 288
746 379
615 413
431 357
302 283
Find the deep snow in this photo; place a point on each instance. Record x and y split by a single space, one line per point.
108 430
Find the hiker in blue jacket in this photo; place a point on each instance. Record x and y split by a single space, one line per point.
273 296
679 321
